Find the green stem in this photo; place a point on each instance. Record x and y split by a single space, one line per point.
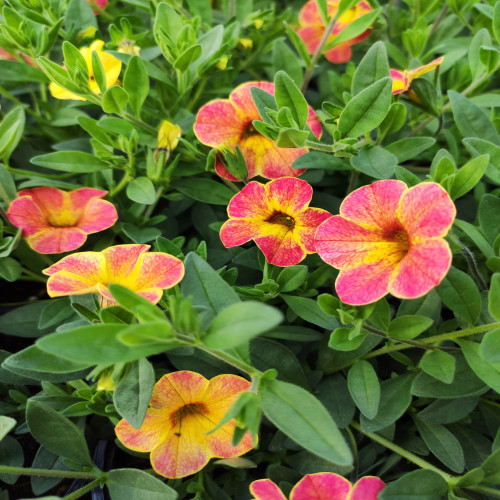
34 277
88 487
142 124
317 53
484 489
230 359
423 464
438 20
149 211
7 469
124 181
231 185
473 267
352 181
15 100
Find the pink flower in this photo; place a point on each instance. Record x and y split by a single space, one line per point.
321 486
277 217
132 266
312 28
226 123
401 79
55 221
388 239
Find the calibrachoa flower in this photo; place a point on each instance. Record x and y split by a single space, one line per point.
312 28
388 239
321 486
100 4
277 217
112 67
55 221
401 79
226 123
132 266
184 407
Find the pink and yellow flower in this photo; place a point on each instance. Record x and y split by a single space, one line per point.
132 266
226 123
401 79
312 28
55 221
388 239
184 408
321 486
277 217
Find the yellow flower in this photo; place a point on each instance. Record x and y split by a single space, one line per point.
168 136
106 382
129 47
245 43
222 64
112 67
258 23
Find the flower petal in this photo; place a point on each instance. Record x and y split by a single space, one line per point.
421 70
65 283
340 53
321 486
423 268
48 199
374 205
24 213
309 15
57 240
273 162
364 284
265 489
367 488
177 389
314 123
221 392
289 195
80 197
426 210
281 248
90 265
59 92
307 223
400 81
242 100
155 429
121 261
158 270
311 35
220 442
235 232
251 202
154 295
344 245
218 123
97 216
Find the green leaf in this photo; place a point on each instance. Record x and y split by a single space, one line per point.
494 296
206 287
136 303
263 100
291 278
6 425
471 120
496 21
10 269
409 327
364 387
459 292
205 190
23 321
487 372
114 100
371 68
417 485
74 61
477 147
11 454
366 110
477 68
490 346
76 162
11 131
468 176
447 411
489 216
98 71
323 161
476 236
376 162
188 57
299 415
406 149
440 365
78 16
136 84
395 397
141 190
491 468
133 393
97 344
298 43
241 322
285 59
57 433
135 484
355 28
288 94
15 71
8 191
309 310
56 311
443 444
394 120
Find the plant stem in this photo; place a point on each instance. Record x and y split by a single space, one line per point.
149 211
88 487
231 185
438 20
317 53
352 181
142 124
7 469
33 276
401 451
473 267
230 359
124 181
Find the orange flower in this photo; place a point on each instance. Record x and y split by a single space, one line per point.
132 266
312 28
401 80
184 408
55 221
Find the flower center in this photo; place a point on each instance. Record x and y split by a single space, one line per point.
281 218
249 131
400 238
187 411
64 218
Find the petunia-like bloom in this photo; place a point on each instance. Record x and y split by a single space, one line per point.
388 239
132 266
321 486
55 221
277 217
112 67
100 4
401 79
226 123
312 28
184 408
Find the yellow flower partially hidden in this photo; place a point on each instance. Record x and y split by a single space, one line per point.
168 136
245 43
112 67
129 47
105 381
